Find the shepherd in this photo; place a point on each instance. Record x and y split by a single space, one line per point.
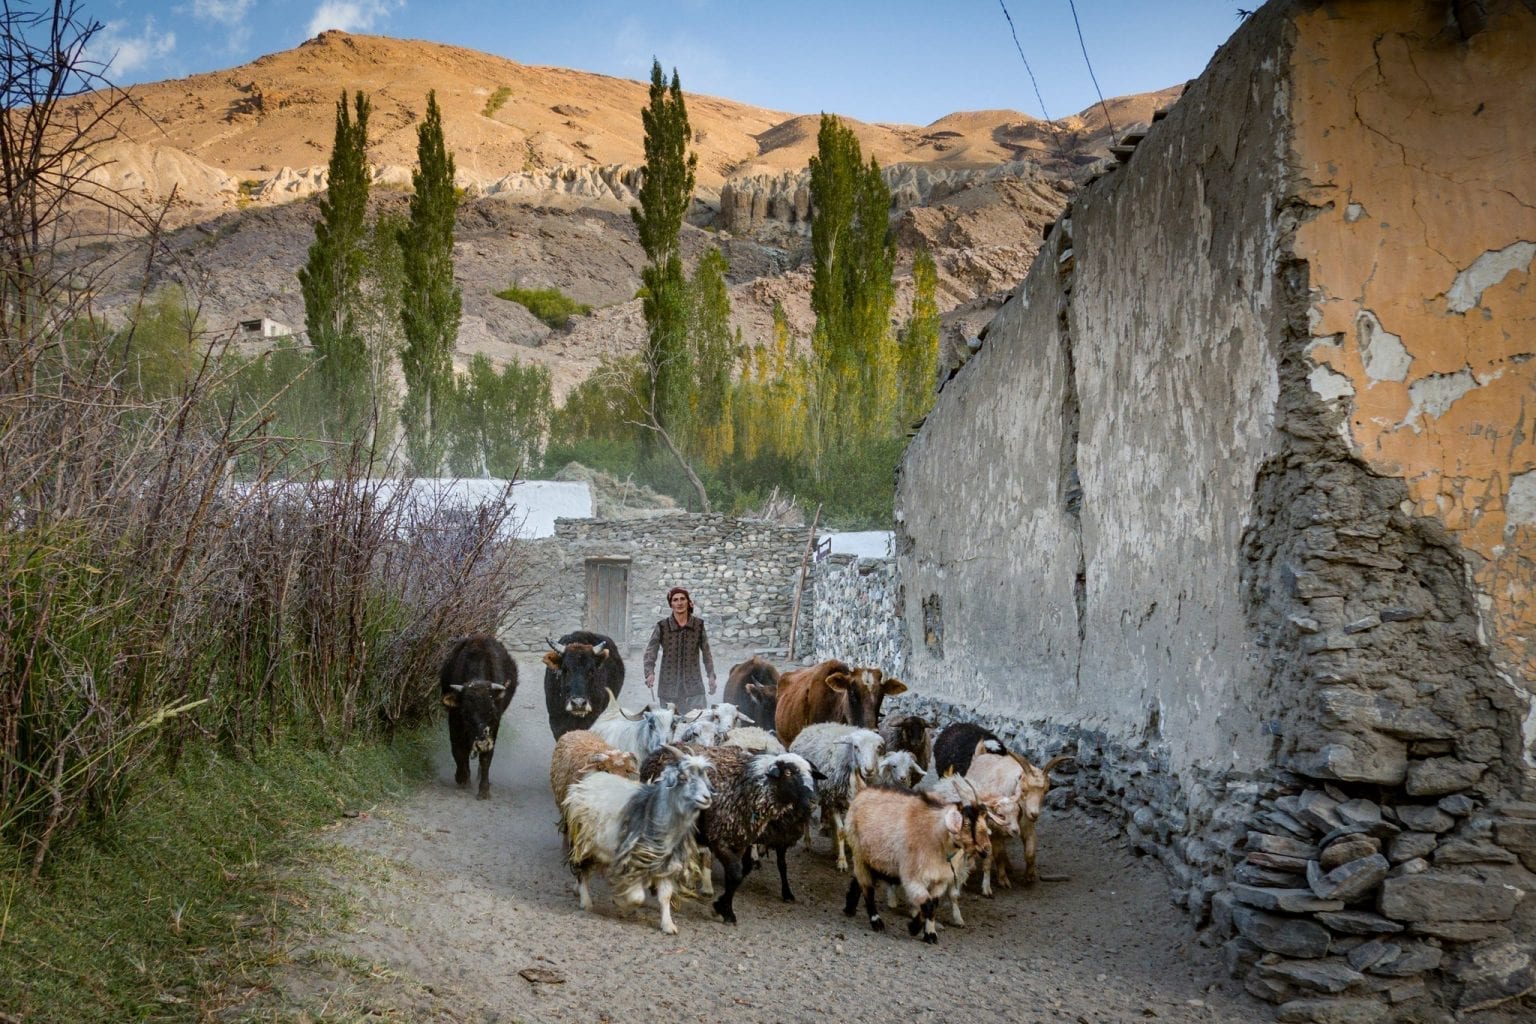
680 640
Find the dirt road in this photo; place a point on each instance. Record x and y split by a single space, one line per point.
455 897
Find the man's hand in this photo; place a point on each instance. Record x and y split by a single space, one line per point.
650 682
711 686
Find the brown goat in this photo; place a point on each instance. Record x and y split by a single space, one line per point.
896 834
579 753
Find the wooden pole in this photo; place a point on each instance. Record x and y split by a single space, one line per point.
794 617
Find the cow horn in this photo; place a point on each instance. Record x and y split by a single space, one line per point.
599 648
552 646
456 687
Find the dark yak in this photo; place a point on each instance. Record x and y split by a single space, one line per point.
753 686
579 673
477 680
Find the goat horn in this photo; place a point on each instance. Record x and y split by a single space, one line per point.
633 718
1053 762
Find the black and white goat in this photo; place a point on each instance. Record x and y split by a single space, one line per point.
641 833
760 799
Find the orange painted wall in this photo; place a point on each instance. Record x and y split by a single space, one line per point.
1418 149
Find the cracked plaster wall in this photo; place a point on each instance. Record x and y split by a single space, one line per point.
1415 147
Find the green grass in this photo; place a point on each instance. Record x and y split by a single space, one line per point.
550 305
174 910
494 102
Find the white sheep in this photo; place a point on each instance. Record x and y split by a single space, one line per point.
841 752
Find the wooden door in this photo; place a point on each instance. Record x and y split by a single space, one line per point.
608 599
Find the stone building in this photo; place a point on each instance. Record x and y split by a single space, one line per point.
612 576
1237 503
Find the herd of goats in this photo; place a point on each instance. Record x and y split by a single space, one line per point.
651 796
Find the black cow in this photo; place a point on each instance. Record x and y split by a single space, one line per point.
753 686
478 681
580 671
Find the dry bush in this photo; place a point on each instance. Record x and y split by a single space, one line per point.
147 600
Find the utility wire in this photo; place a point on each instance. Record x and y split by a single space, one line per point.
1025 59
1091 75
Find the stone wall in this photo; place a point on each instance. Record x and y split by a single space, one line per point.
854 614
1232 505
740 573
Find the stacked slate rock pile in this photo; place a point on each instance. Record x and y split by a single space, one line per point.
1344 907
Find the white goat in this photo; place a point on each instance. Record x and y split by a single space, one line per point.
841 752
900 768
707 727
641 734
642 833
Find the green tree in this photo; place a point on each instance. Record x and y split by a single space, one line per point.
918 343
432 303
331 278
501 419
666 189
712 347
852 293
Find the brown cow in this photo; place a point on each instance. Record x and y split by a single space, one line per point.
831 692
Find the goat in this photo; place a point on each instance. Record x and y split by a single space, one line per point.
912 733
967 860
978 754
909 838
750 737
579 753
996 786
958 742
708 726
642 833
640 734
759 799
899 768
841 752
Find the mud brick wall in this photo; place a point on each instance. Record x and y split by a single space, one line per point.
1237 503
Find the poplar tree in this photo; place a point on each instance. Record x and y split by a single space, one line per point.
918 345
666 189
712 349
431 306
852 293
331 278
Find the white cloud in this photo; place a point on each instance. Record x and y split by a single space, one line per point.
122 54
351 15
225 12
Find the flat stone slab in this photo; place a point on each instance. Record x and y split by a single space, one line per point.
1437 897
1349 881
1331 1011
1295 901
1289 936
1359 922
1330 976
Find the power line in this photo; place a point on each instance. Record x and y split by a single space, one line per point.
1024 59
1091 75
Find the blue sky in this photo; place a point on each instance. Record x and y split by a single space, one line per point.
909 61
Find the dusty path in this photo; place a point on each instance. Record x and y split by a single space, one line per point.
456 896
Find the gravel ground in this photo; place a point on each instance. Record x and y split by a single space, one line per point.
464 912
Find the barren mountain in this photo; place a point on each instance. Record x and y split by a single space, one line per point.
550 158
